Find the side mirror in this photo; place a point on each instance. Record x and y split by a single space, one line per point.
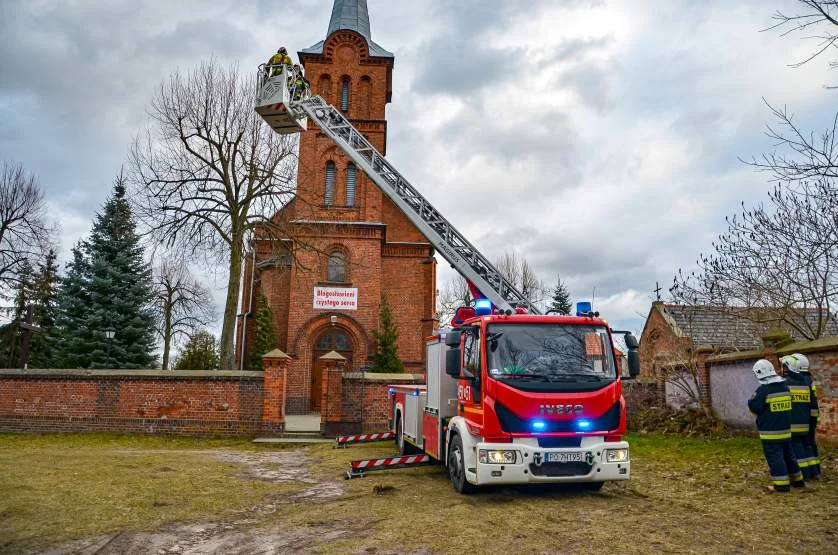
452 338
634 363
631 342
452 362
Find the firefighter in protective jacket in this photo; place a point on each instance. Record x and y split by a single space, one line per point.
814 414
801 402
771 403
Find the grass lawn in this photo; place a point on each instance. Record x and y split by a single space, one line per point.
685 495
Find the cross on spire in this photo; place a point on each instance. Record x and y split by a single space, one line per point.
657 290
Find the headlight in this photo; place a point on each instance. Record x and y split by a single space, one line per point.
616 455
496 456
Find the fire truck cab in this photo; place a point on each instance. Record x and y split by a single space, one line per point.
519 398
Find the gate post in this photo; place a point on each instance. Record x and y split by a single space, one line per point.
273 407
331 396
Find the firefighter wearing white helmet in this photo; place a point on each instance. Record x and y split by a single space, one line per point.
814 414
801 402
771 403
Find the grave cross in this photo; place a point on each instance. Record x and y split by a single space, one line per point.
28 328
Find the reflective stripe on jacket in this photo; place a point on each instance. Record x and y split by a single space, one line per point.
772 405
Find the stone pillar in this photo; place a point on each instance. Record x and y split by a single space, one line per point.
276 373
331 399
702 353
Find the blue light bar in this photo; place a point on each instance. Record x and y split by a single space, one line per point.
583 424
391 390
415 393
483 307
538 425
583 308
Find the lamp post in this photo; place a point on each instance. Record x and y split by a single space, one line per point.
109 333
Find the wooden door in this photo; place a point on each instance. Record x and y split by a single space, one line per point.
317 384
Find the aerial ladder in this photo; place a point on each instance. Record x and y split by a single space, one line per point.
287 107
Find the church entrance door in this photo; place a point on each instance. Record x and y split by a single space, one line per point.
333 339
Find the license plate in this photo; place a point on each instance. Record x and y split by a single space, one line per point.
565 457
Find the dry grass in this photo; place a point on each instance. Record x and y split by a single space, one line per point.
686 496
54 488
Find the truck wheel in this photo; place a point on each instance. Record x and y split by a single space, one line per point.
457 467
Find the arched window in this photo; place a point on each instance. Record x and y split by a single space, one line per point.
344 95
351 179
329 196
336 270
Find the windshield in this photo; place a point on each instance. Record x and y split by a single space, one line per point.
549 352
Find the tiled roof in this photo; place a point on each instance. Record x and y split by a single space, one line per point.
352 15
730 328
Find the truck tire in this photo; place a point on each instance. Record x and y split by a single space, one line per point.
457 467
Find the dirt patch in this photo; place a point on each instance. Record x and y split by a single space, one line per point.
282 466
234 538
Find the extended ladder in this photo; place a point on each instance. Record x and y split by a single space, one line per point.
275 97
444 237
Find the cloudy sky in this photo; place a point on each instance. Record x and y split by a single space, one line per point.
600 139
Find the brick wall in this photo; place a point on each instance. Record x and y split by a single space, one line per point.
140 401
364 406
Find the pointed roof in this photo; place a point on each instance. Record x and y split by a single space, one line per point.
351 15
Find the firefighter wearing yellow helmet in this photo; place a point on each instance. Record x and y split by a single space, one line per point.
771 403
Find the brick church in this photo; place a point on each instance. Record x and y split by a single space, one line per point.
352 246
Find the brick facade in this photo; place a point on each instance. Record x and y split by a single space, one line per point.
386 255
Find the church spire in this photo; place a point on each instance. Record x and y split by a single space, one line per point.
351 15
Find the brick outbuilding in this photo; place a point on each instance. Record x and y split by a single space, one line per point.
352 246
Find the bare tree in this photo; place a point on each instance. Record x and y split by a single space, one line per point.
24 234
818 21
514 267
209 174
183 304
779 261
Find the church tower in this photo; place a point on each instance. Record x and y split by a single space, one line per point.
352 246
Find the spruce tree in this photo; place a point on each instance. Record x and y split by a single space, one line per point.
264 336
199 353
72 336
45 299
560 301
386 357
120 289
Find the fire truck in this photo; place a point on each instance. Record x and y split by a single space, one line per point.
511 396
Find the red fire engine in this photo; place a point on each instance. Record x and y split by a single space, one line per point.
511 396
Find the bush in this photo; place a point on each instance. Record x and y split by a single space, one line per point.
691 423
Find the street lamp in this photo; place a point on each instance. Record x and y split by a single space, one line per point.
109 333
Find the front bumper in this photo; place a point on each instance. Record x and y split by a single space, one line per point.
530 466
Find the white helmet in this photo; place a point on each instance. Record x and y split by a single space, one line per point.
764 371
791 363
802 362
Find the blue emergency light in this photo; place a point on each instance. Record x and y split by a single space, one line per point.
483 307
583 308
583 424
538 425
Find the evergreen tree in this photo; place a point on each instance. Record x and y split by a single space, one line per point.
264 337
71 333
386 357
45 299
108 287
560 301
120 289
199 353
